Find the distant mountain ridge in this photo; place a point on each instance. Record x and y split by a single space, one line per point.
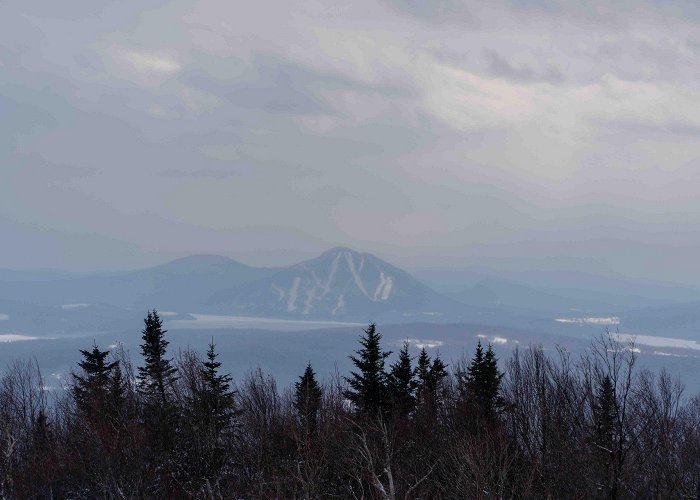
339 284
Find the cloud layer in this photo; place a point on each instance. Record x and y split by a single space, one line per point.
517 134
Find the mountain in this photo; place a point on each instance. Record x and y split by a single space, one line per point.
186 283
492 292
339 284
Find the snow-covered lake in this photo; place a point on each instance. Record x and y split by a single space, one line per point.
653 341
15 337
210 321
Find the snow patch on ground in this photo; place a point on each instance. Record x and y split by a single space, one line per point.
426 343
612 320
653 341
661 353
15 337
71 307
495 339
211 322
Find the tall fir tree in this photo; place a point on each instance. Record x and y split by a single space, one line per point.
438 371
307 400
157 376
216 396
368 385
117 392
155 381
475 369
484 382
401 384
208 418
92 388
430 376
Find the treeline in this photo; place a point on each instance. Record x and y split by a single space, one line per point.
540 426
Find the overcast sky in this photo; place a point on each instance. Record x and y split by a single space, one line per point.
515 135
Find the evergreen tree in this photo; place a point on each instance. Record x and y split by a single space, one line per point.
492 381
307 399
484 381
92 389
156 383
216 397
402 384
42 435
423 389
207 419
429 375
438 371
423 368
157 376
475 370
368 384
116 398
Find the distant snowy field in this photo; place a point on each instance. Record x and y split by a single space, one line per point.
210 321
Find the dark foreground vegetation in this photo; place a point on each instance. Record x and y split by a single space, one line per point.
547 426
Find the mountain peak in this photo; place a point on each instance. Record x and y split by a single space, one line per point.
200 263
202 259
339 283
341 250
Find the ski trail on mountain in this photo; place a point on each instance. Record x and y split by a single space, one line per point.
356 277
293 293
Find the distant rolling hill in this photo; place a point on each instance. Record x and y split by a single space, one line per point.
340 284
184 283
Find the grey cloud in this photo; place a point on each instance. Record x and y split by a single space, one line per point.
429 9
649 130
416 130
499 66
207 173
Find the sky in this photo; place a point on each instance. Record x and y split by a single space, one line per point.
515 135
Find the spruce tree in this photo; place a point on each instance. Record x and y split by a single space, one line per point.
157 376
117 392
430 375
207 419
438 371
484 381
423 375
368 384
475 370
216 397
402 384
307 400
92 388
156 383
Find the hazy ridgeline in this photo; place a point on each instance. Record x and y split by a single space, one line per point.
535 425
